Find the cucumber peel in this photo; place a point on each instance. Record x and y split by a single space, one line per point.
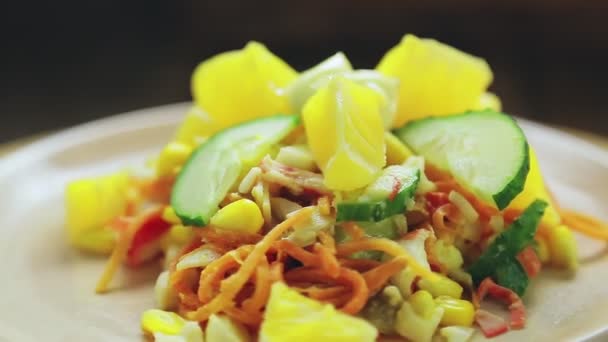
386 196
499 260
215 166
485 151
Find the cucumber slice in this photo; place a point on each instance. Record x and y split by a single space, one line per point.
215 166
485 151
386 196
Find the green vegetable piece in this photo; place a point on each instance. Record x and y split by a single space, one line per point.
499 260
485 151
512 275
215 166
386 196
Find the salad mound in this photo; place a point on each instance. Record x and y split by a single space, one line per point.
334 204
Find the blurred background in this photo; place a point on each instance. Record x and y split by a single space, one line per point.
64 63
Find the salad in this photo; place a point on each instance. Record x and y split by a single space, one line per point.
334 204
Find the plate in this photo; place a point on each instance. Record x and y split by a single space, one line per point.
47 288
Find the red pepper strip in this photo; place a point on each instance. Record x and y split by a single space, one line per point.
490 324
151 229
516 306
396 187
435 199
529 261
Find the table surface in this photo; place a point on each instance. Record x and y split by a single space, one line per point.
598 140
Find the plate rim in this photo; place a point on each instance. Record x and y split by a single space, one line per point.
90 130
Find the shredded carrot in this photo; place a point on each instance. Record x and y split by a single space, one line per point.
325 293
276 271
231 285
308 275
215 271
261 293
585 224
347 277
305 257
484 210
360 265
353 230
121 249
360 292
182 282
228 240
119 254
377 277
328 260
327 240
387 246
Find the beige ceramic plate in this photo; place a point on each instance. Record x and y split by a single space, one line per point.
46 289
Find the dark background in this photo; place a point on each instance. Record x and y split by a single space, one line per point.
63 63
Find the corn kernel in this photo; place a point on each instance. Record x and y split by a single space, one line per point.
442 286
159 321
223 329
170 216
240 216
418 318
422 302
180 235
456 311
174 155
562 247
396 151
542 248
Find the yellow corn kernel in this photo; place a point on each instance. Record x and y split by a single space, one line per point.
180 235
441 286
173 156
159 321
170 216
562 247
422 302
396 151
456 311
418 317
223 329
543 249
240 216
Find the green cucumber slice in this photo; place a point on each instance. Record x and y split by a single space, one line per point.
485 151
386 196
215 166
499 260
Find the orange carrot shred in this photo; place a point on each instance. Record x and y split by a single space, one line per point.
585 224
377 277
230 286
